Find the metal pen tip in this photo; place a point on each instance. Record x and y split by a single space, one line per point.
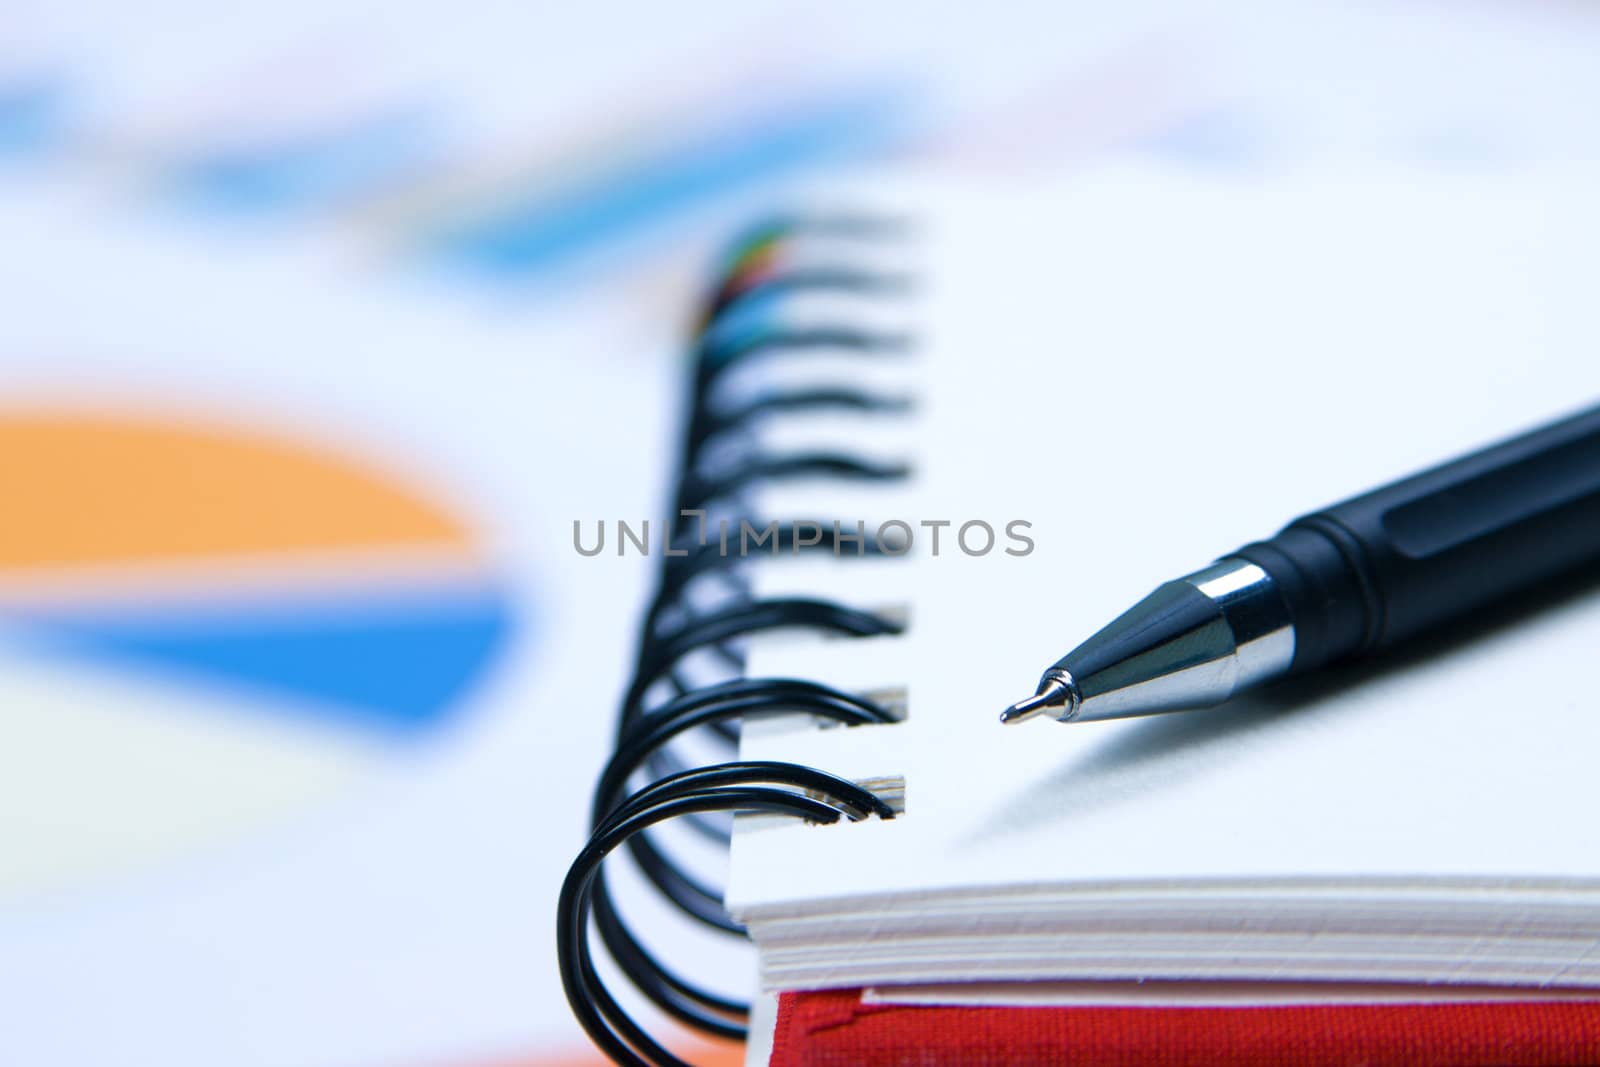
1053 693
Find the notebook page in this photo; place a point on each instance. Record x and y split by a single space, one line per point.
1152 369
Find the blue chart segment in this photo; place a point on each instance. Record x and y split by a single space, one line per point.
316 171
394 663
540 228
32 114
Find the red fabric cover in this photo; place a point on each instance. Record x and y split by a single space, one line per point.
834 1029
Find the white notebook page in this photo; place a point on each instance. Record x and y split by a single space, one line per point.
1153 369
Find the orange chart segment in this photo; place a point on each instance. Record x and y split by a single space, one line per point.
85 490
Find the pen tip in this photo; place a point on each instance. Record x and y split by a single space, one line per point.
1053 694
1019 712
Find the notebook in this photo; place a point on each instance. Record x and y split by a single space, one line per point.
848 1028
1113 381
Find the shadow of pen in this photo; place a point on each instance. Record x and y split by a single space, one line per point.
1147 754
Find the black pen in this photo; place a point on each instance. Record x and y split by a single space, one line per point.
1346 581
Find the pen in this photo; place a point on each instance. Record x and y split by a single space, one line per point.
1346 581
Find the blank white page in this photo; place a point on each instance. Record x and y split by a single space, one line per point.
1154 368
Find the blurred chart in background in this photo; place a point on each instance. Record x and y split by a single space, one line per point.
204 629
323 322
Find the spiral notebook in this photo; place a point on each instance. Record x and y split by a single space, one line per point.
1081 391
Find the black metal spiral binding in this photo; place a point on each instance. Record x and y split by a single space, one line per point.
663 701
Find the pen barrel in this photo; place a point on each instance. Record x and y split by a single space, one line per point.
1374 570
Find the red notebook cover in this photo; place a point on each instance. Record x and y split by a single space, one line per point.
835 1029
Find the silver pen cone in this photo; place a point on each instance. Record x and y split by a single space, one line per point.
1192 643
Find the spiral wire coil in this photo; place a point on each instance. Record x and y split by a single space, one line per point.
664 701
